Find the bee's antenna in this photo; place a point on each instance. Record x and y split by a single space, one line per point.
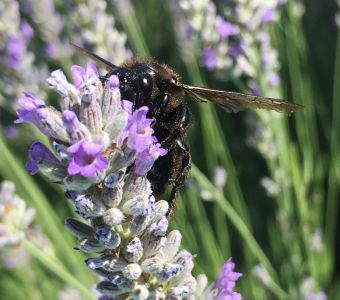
99 60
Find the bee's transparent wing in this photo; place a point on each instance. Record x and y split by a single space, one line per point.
101 62
234 102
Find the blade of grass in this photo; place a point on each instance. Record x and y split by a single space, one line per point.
241 227
57 268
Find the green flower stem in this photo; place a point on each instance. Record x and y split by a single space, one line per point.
57 268
135 33
12 169
220 152
242 228
334 170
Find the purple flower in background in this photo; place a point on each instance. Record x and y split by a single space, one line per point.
26 30
268 16
139 130
225 28
87 159
226 282
236 49
16 48
274 80
11 132
80 75
209 58
146 159
29 110
51 51
39 152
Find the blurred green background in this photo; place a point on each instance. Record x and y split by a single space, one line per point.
277 214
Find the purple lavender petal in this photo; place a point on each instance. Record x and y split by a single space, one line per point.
209 58
140 133
91 69
127 106
78 74
16 48
32 167
146 159
39 152
114 82
225 283
87 159
29 110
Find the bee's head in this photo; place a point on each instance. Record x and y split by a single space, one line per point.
149 83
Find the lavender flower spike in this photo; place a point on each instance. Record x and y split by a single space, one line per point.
103 165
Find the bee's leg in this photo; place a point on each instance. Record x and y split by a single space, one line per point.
183 161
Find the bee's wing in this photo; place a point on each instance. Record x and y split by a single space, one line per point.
99 60
234 102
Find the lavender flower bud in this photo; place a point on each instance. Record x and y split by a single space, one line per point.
90 245
86 206
107 237
112 197
136 206
138 224
113 217
172 244
76 130
136 186
77 183
110 101
113 179
178 292
58 81
132 271
161 208
79 229
151 243
96 262
133 251
90 116
202 282
118 123
115 264
161 227
109 289
169 271
153 265
51 122
122 283
183 258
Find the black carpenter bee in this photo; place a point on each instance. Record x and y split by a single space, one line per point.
145 82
